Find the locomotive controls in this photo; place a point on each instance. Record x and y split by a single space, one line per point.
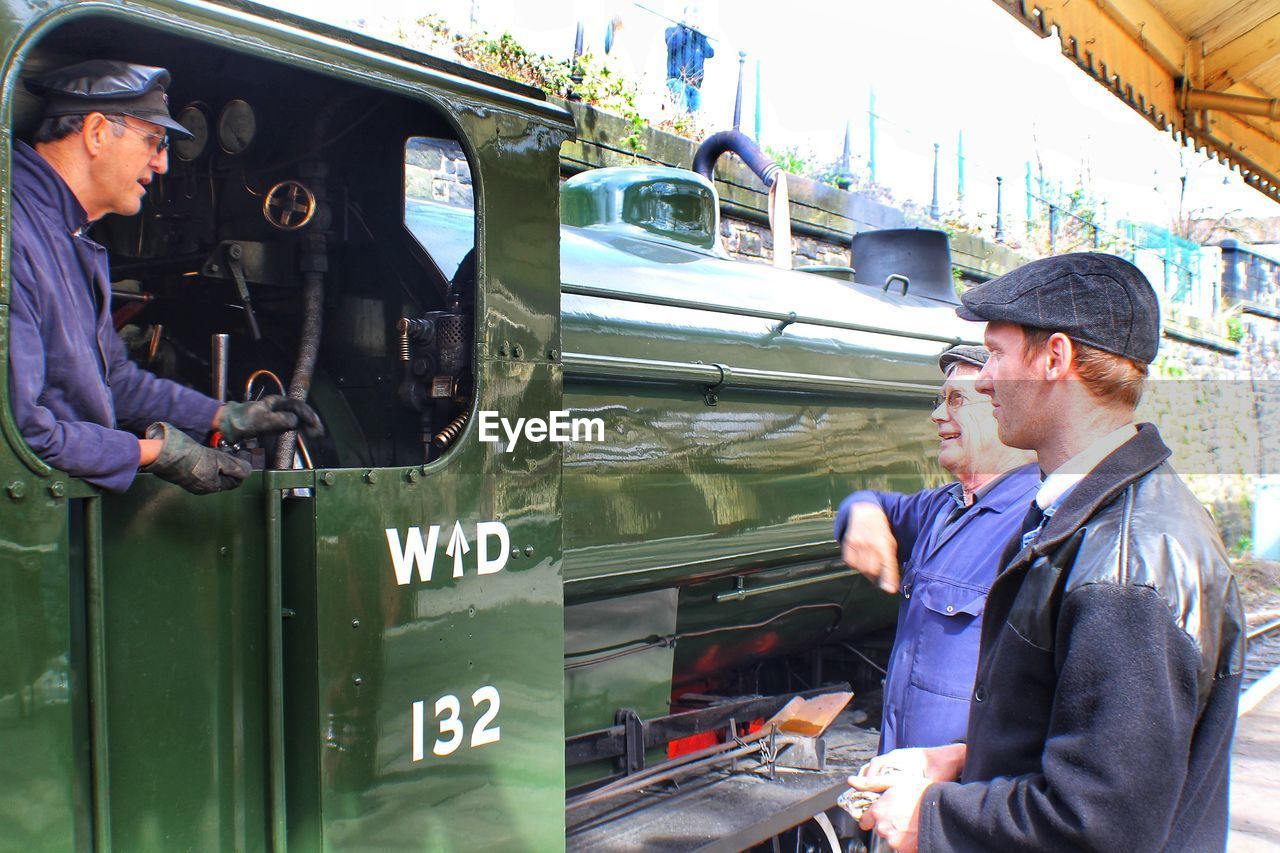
194 118
237 126
435 357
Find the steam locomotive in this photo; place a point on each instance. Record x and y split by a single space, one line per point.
576 485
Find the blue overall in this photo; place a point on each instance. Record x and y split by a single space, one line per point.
949 556
73 388
687 53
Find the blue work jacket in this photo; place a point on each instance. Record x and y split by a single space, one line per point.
946 572
72 385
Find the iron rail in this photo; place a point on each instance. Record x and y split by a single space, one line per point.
787 317
275 667
719 377
95 605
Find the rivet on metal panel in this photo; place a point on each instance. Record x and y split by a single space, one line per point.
327 478
355 623
515 552
517 351
17 489
371 477
502 349
528 550
57 488
223 551
553 354
412 475
471 611
357 680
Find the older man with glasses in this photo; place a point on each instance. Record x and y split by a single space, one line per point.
101 142
940 549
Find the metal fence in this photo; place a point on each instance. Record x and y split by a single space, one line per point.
1249 276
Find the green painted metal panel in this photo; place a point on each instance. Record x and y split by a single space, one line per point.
185 606
44 773
370 648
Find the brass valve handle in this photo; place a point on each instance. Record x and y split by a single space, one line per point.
289 205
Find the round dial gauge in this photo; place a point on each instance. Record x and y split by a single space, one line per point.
236 126
194 119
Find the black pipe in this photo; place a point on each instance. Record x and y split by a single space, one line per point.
308 354
704 161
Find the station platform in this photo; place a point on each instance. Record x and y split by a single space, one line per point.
1255 779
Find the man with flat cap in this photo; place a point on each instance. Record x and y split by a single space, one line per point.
1113 639
77 398
945 545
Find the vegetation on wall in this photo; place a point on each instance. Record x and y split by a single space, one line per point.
588 79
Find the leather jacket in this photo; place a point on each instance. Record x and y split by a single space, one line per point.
1108 679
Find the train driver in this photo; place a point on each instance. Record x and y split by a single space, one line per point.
77 398
945 544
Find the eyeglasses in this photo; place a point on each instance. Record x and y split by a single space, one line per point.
956 400
159 142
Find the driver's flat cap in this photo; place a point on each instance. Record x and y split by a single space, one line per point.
107 87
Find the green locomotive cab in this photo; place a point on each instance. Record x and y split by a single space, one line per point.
570 474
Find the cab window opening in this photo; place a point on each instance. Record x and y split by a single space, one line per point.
279 249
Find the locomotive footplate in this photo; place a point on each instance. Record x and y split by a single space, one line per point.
726 808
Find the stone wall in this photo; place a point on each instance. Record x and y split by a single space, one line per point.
1219 413
437 169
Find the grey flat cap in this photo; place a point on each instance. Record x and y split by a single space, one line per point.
963 354
1094 298
108 87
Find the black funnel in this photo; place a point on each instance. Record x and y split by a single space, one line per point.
921 255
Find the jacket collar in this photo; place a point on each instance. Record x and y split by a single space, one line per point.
1133 460
45 191
1008 488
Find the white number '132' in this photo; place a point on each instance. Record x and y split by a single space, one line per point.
448 712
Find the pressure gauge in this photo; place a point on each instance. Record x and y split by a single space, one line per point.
195 120
236 126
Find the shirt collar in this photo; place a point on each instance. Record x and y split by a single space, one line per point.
1001 490
1075 469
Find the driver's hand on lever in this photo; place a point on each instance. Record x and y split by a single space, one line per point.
268 416
198 469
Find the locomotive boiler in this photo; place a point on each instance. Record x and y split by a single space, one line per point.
575 475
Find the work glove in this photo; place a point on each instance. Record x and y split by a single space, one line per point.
198 469
273 414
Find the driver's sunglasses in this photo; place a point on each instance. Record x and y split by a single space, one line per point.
159 141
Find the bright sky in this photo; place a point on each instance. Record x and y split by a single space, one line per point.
939 68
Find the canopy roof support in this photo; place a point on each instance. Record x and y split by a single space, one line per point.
1207 71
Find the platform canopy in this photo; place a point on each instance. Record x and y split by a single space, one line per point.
1208 71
